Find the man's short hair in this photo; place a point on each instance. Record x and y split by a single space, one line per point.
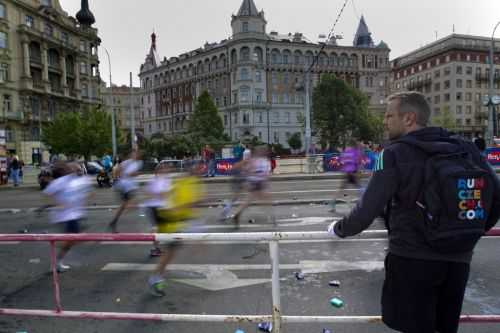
411 101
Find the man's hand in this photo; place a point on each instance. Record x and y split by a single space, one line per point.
331 229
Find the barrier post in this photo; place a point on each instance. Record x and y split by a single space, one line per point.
55 277
275 284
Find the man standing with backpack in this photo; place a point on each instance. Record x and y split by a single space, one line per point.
442 197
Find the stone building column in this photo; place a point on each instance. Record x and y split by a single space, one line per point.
78 88
64 79
45 63
26 59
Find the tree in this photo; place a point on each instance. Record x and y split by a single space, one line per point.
445 120
62 135
340 112
205 126
295 141
74 134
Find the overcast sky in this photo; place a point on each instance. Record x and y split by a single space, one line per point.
125 26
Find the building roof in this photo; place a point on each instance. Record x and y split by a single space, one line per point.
297 37
248 8
363 36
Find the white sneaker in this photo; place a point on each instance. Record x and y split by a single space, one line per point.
61 268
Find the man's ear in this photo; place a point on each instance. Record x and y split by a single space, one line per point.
410 119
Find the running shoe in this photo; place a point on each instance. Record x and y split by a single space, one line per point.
155 252
61 268
157 286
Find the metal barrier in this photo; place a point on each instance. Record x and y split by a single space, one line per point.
273 238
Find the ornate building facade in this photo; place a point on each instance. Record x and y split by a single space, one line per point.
453 73
48 64
252 77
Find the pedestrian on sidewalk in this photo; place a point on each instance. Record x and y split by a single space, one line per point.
68 193
126 185
208 155
443 197
15 169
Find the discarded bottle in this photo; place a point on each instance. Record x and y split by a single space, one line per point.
299 275
326 330
265 327
334 283
337 302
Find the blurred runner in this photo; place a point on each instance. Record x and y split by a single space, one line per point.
351 159
68 192
237 182
258 172
157 192
185 193
126 185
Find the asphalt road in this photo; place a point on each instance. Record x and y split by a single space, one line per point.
282 190
222 278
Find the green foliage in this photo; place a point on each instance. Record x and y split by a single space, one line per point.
340 113
295 141
205 125
445 120
163 147
74 134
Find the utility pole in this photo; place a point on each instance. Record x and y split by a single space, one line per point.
492 119
113 126
132 115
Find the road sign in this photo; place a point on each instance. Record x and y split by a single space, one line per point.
486 100
495 100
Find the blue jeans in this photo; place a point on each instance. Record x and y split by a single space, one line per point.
14 173
211 168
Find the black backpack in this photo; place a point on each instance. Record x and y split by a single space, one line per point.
455 199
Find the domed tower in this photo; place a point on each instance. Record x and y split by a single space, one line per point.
248 20
85 16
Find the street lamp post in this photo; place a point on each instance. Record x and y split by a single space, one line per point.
113 126
492 121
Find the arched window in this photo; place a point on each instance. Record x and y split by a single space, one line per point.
245 54
275 57
234 57
259 55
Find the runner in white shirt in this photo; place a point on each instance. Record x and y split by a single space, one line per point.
69 193
259 170
157 191
126 185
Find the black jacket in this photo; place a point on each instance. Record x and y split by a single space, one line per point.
397 180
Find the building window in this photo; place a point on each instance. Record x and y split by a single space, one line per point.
83 68
446 97
2 11
459 109
7 103
244 74
275 98
447 84
437 99
49 30
447 71
246 118
260 117
65 37
258 96
245 27
3 40
4 72
459 83
85 90
276 137
468 109
276 117
437 74
459 69
468 84
225 120
287 117
244 94
286 98
30 22
47 3
468 97
459 96
258 76
468 70
274 78
83 46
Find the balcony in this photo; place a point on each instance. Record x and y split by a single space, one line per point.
480 77
38 84
419 84
13 115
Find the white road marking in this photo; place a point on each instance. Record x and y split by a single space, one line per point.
305 241
288 192
220 277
